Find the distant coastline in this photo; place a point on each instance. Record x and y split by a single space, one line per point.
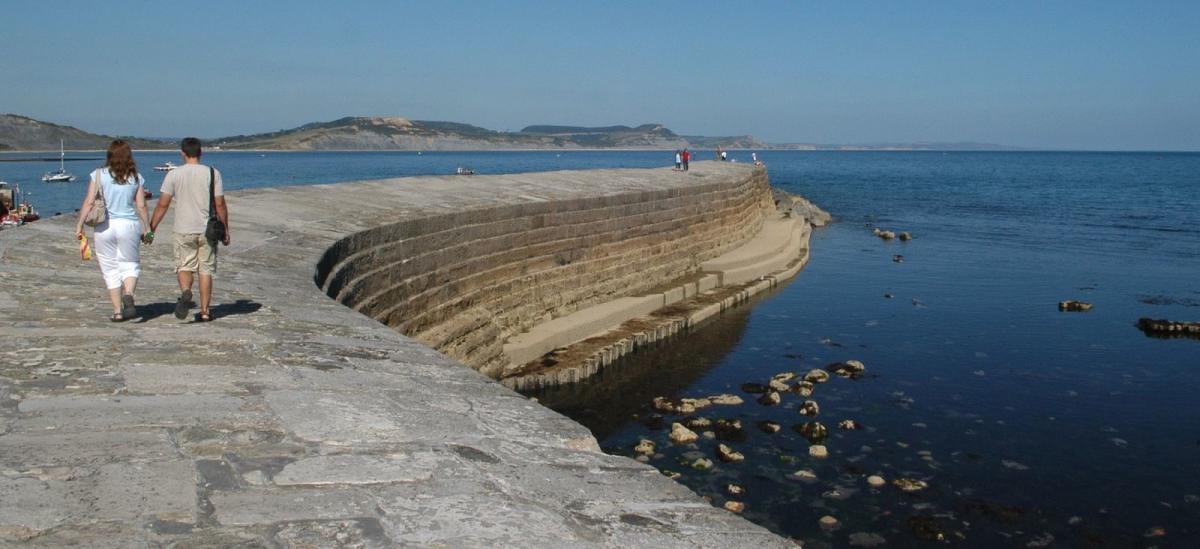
361 134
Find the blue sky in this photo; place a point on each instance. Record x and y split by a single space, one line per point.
1068 75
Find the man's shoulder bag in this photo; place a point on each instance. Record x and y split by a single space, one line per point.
215 232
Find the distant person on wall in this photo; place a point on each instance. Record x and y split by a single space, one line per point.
724 157
198 190
678 160
720 153
119 236
687 157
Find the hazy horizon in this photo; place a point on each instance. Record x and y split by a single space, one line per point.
1065 76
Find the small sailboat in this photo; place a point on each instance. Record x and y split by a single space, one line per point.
61 175
165 167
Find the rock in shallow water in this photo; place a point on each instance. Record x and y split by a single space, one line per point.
805 475
810 408
735 506
814 431
644 447
682 435
818 451
828 523
728 455
754 388
780 386
816 375
910 485
726 400
849 425
866 539
876 481
770 398
734 489
1074 306
769 427
849 368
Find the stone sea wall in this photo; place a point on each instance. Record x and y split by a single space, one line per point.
293 421
466 282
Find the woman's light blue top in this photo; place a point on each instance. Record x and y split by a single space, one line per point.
120 198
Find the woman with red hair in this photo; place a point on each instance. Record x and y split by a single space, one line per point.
118 238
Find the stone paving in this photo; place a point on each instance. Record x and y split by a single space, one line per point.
291 420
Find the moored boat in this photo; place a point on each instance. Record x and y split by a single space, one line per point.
60 176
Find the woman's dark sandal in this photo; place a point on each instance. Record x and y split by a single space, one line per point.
116 317
183 304
203 317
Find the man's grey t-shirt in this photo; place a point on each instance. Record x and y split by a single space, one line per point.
188 187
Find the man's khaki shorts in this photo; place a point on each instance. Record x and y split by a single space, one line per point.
195 253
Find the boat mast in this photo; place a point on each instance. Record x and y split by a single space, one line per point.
62 156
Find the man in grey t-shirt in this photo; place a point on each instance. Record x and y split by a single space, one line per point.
194 253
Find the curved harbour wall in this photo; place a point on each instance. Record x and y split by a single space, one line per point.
292 420
464 283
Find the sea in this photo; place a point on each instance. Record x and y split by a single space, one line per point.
1029 426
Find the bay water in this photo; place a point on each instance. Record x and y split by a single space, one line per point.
1031 426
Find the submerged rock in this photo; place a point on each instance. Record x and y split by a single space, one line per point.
816 375
906 236
754 388
768 427
1166 327
780 386
697 423
827 522
886 235
926 528
728 454
866 539
849 425
1074 306
898 258
805 475
771 398
735 507
810 408
682 435
876 481
702 464
673 475
734 489
804 388
726 400
814 431
730 430
910 484
818 451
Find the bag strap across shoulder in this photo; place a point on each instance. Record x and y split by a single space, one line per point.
212 199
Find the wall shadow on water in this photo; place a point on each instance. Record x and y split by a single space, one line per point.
611 400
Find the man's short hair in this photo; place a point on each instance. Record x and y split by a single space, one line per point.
190 147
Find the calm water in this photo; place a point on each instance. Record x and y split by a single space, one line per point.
1031 426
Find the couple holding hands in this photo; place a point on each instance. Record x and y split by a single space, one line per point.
198 191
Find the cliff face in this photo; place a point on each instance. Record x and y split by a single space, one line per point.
20 133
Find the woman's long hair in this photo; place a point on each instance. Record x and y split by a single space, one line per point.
120 162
